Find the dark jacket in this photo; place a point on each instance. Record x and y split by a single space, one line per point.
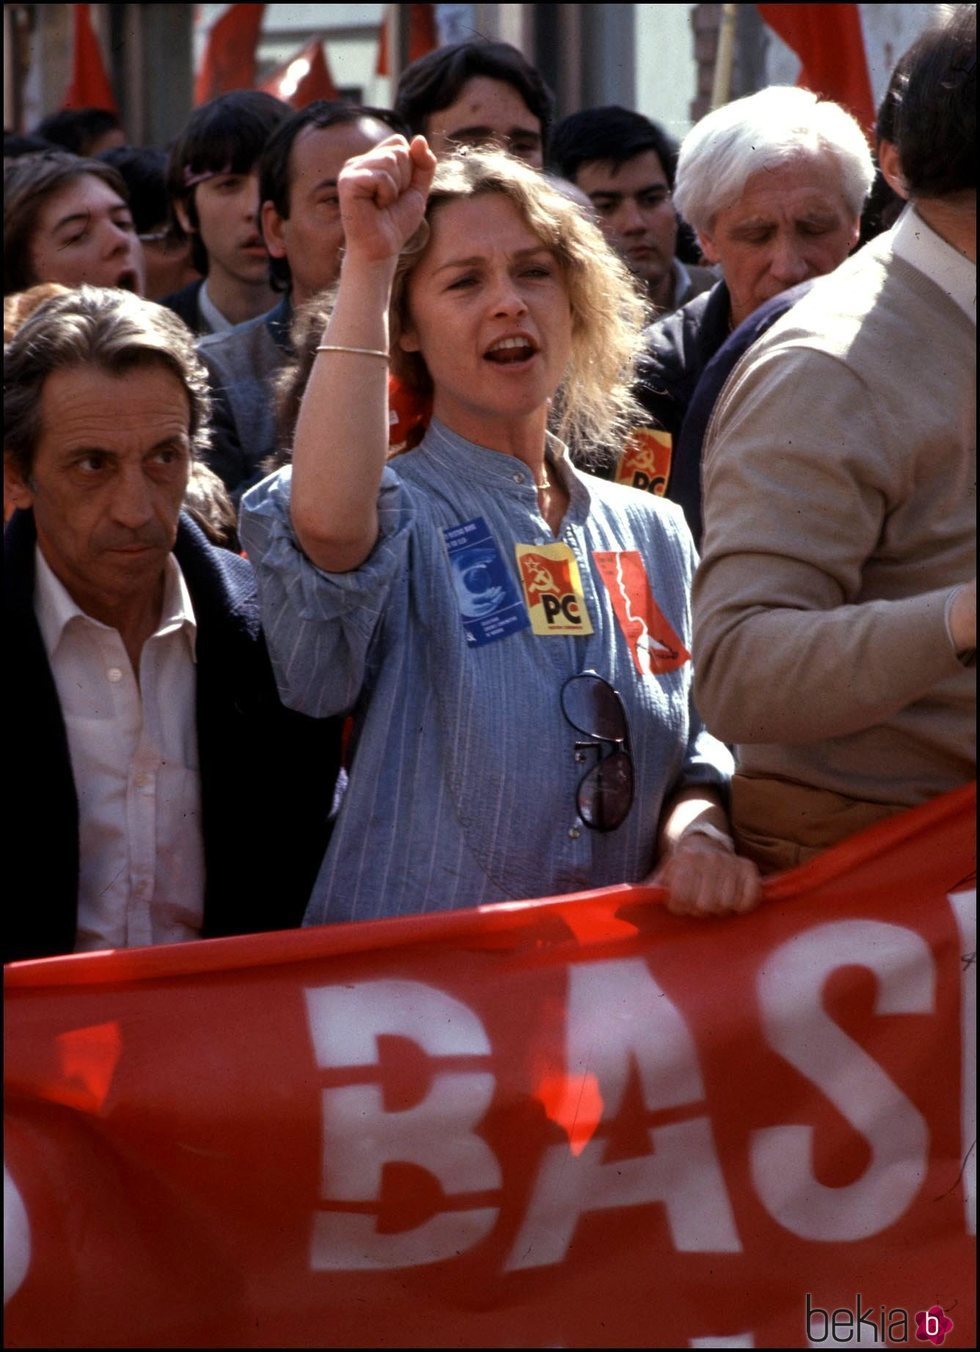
242 365
677 349
685 481
267 773
184 304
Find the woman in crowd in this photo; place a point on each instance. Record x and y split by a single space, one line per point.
512 635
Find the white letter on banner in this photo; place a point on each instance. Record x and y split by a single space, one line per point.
360 1137
16 1237
799 1028
618 1017
964 906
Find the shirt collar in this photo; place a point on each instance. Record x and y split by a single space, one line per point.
497 470
919 245
210 313
56 609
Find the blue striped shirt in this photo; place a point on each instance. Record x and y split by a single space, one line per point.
464 776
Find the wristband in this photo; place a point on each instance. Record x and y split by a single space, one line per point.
711 832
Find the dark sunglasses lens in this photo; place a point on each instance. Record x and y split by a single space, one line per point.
593 706
605 795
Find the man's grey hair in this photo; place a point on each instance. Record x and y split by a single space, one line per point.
761 131
111 330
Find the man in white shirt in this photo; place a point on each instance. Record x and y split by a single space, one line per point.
145 703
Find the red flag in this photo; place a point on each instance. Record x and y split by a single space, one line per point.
830 44
229 59
303 78
423 36
90 86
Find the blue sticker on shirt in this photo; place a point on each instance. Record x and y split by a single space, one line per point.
486 594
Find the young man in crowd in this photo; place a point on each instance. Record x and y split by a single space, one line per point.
150 742
302 229
472 93
625 165
835 606
67 220
212 180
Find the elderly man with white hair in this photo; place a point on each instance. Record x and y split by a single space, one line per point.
773 184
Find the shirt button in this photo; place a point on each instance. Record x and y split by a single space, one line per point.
574 832
114 674
518 478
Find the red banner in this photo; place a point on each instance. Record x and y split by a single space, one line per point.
829 41
575 1122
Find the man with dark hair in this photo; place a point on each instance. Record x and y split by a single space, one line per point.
472 93
67 219
302 229
150 743
83 131
835 622
625 164
212 181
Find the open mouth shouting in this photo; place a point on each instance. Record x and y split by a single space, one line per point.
516 350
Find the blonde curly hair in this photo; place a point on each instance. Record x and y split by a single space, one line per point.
594 405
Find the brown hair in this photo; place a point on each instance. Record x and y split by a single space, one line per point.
28 182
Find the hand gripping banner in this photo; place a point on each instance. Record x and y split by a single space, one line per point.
577 1122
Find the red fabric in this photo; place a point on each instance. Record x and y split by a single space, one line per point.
229 58
300 85
90 86
571 1122
830 44
423 36
409 414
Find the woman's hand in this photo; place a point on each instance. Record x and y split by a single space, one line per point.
703 879
383 196
698 865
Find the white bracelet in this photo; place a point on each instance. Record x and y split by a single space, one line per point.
711 832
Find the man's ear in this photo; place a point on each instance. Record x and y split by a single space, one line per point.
16 490
271 224
708 247
180 211
891 168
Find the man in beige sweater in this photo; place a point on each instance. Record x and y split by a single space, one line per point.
835 617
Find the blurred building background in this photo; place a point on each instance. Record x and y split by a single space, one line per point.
668 61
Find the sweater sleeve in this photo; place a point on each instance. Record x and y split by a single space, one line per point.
796 639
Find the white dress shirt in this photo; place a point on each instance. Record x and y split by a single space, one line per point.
133 749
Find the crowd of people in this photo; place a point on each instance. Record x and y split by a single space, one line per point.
427 507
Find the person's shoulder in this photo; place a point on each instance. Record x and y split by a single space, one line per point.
19 537
668 339
641 509
237 335
220 580
184 303
241 344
